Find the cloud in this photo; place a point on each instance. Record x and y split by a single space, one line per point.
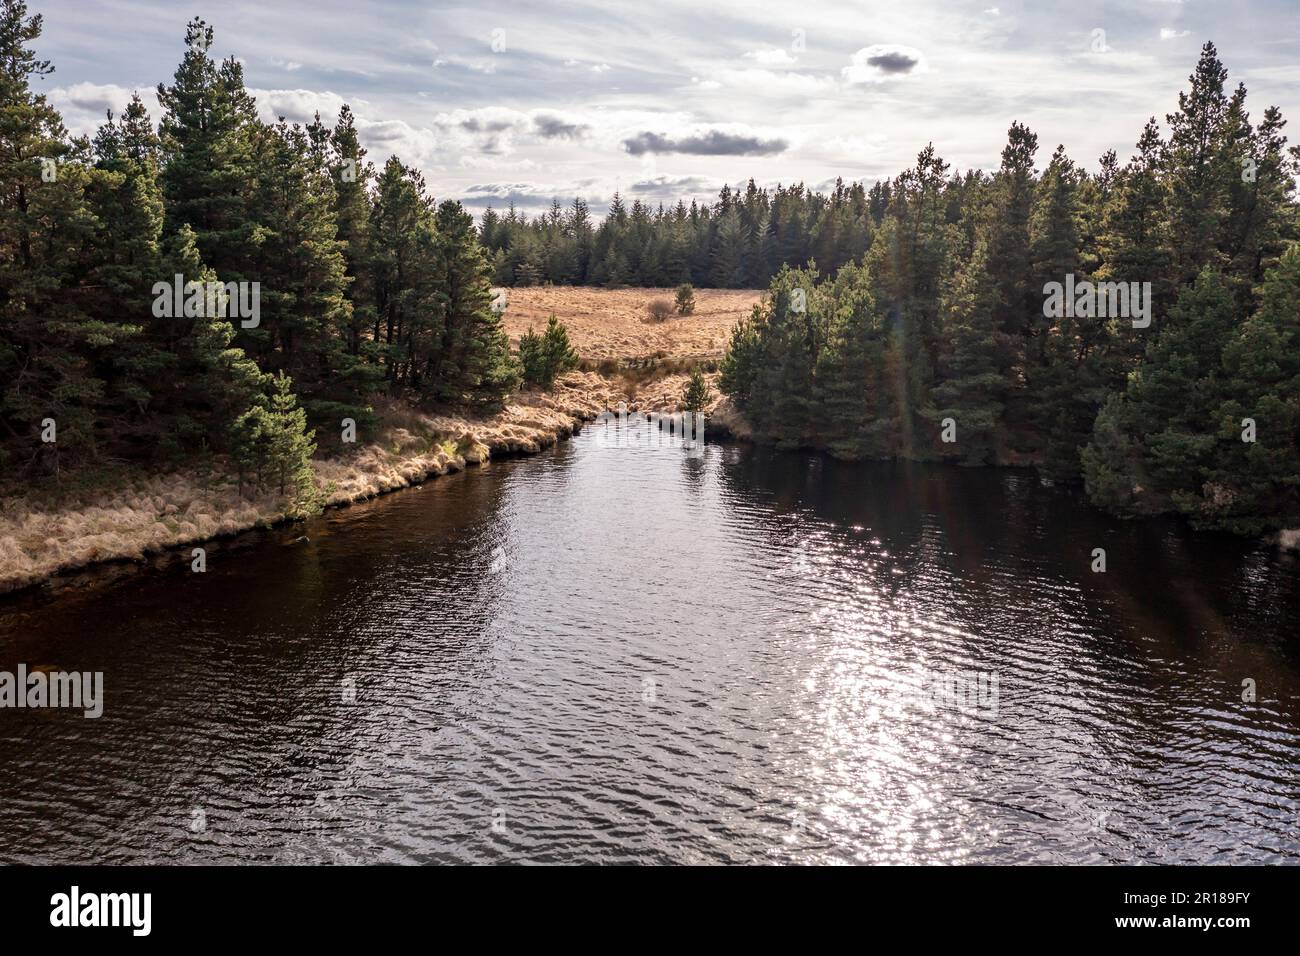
710 143
771 83
670 187
1167 34
84 105
881 62
475 124
550 126
297 106
773 57
527 196
892 62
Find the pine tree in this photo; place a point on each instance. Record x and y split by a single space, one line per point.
1199 166
973 385
1018 303
1254 484
780 400
306 317
473 362
728 270
127 205
353 178
697 393
1160 436
740 366
46 226
1134 242
408 326
685 299
1072 369
847 390
207 133
544 357
272 447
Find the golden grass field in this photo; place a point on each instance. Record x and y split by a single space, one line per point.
609 324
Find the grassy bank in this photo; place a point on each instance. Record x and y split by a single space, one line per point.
135 515
132 515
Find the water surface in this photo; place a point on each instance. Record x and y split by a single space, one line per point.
614 653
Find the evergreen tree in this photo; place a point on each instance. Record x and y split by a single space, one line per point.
207 133
848 386
1199 166
407 327
973 386
697 393
1134 242
1157 443
1254 480
1072 369
544 357
353 178
740 365
474 360
685 299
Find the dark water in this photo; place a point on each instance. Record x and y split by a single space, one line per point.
623 654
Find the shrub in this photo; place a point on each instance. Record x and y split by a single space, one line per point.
659 309
697 393
685 299
545 356
272 447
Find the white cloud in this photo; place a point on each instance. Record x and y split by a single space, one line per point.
84 105
776 56
297 106
770 83
1167 34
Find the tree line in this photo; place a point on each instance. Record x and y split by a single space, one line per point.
364 284
739 242
944 342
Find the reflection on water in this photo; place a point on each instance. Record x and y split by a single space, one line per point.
615 652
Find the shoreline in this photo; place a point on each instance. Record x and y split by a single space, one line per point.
155 516
148 519
151 519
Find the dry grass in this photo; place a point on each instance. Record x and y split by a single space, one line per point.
149 514
614 324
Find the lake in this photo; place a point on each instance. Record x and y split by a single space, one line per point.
615 652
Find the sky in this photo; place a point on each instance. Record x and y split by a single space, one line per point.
658 99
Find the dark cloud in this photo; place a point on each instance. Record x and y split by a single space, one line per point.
525 197
385 131
712 143
670 187
554 127
476 125
893 62
503 194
